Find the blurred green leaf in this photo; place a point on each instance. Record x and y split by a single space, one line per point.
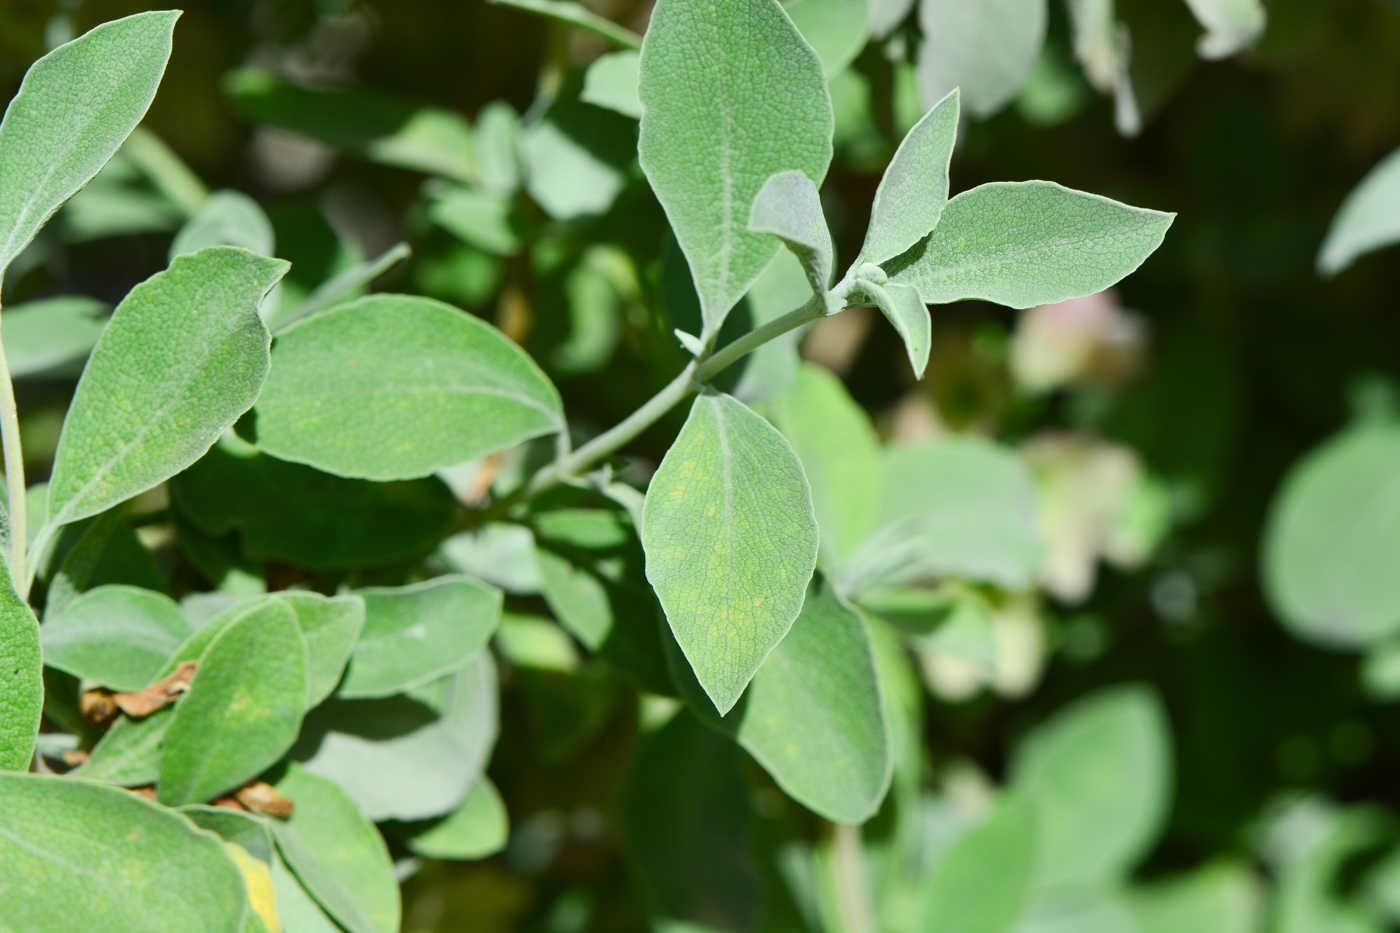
76 106
51 334
497 139
226 218
730 540
535 642
414 634
1029 243
343 286
74 851
1327 566
986 48
243 709
709 143
1100 775
337 856
981 883
476 829
499 553
477 218
576 157
434 386
1231 25
576 14
1223 898
1367 220
837 29
408 757
611 82
184 356
118 636
296 909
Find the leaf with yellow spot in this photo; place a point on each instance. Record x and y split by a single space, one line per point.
257 878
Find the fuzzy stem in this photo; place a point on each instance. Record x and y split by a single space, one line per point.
14 476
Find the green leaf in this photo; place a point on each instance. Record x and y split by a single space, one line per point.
415 634
959 506
477 218
695 865
476 829
295 908
243 709
408 757
535 642
1231 26
51 334
331 627
710 141
1029 243
1100 775
789 208
1327 546
837 29
980 884
1221 898
986 47
226 218
914 189
611 82
118 636
497 139
76 106
903 307
885 15
289 512
576 14
344 286
74 851
730 541
374 126
338 857
21 677
431 385
814 716
128 755
184 356
840 455
577 157
1368 219
242 829
499 553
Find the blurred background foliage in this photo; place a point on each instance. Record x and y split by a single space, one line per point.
1159 435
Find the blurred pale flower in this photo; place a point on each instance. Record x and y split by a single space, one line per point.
1083 340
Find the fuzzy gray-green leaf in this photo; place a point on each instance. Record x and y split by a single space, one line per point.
118 636
21 677
76 106
431 385
339 858
1029 243
985 47
730 540
51 334
75 851
184 356
731 94
331 627
415 634
914 189
243 709
789 207
1369 218
904 308
476 829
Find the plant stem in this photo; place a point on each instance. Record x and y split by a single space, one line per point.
757 337
14 476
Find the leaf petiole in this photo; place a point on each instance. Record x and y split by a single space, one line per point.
14 476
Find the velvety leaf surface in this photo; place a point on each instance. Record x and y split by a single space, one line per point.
432 385
243 709
408 757
1369 218
331 627
789 207
290 512
184 356
21 677
414 634
243 829
1328 562
980 885
961 506
985 47
1029 243
840 455
337 855
76 106
814 715
52 333
74 851
914 188
118 636
1100 775
477 828
837 29
904 308
730 542
731 94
